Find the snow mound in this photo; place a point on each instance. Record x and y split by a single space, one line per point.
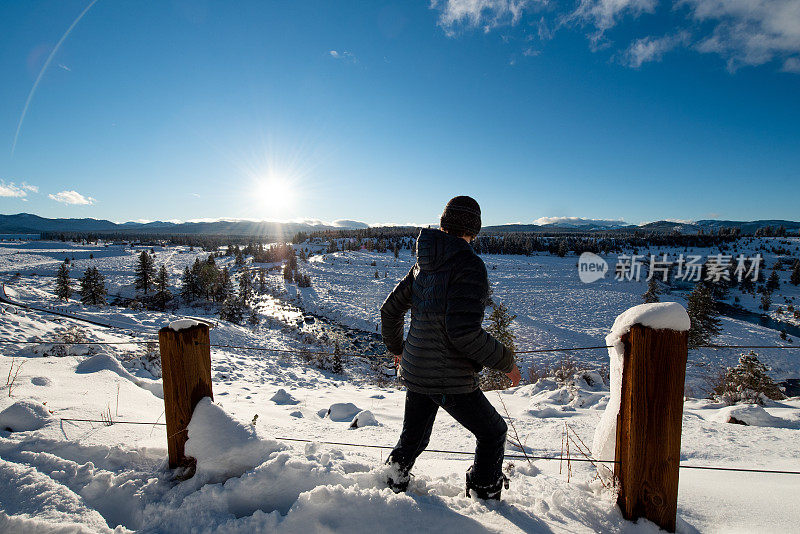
554 398
748 414
658 315
222 446
282 397
102 362
183 324
365 418
106 362
24 416
342 412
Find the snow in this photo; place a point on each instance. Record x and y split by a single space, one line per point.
25 415
658 315
183 324
282 397
364 418
342 411
223 447
749 414
106 362
93 477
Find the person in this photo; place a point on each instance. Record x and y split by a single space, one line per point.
447 292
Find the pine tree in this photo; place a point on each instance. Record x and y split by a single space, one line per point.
224 289
145 272
773 282
766 301
163 294
245 286
253 319
287 273
63 287
500 321
261 280
747 382
189 290
795 278
232 310
703 315
653 291
337 362
93 287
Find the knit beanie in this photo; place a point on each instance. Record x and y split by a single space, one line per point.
462 215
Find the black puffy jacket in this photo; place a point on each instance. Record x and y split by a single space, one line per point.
447 292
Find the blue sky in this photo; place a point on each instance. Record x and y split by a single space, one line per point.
380 111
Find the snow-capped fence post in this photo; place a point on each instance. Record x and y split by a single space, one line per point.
648 439
186 377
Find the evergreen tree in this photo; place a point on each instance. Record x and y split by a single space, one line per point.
63 287
287 273
747 382
189 290
261 280
795 278
396 252
163 294
232 310
500 321
766 301
245 286
773 282
653 291
705 323
337 362
93 287
145 272
224 289
253 319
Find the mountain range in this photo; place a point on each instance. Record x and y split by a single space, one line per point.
24 223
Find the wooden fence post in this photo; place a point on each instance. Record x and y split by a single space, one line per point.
649 424
186 377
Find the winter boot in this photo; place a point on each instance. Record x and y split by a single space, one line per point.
397 477
486 492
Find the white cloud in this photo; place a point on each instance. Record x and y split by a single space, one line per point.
652 49
485 14
13 190
72 198
792 64
604 14
741 32
344 55
750 32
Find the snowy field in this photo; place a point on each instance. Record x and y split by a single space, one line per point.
70 476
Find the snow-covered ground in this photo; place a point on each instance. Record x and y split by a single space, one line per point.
96 477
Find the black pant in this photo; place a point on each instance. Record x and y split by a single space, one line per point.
473 411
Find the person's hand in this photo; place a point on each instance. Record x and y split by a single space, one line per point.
514 376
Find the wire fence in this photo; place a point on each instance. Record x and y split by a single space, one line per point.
549 457
525 455
354 354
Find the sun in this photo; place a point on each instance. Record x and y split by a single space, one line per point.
275 194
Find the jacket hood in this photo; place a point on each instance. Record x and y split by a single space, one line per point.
435 248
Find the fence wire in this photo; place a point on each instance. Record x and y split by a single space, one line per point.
552 457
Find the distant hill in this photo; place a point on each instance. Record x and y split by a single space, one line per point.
29 223
23 223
